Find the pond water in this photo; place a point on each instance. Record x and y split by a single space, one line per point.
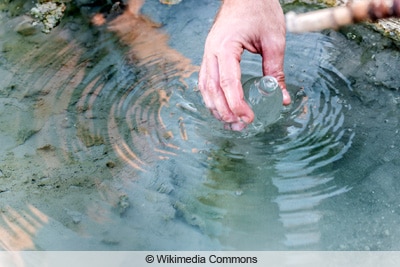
106 145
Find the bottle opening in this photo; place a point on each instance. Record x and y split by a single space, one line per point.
267 85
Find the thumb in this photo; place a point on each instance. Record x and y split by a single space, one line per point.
272 64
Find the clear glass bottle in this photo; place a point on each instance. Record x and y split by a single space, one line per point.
264 96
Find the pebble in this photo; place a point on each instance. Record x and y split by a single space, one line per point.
73 26
110 241
238 192
123 204
110 164
26 28
75 216
165 188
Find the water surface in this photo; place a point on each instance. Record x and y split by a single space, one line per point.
106 144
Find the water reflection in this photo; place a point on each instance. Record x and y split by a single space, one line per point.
119 138
20 228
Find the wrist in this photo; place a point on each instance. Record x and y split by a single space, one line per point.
257 5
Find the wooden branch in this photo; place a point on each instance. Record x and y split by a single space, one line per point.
333 18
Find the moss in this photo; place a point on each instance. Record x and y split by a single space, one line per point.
300 6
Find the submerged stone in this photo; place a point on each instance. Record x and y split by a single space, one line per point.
26 27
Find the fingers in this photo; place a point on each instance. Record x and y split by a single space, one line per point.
230 82
236 126
213 96
220 86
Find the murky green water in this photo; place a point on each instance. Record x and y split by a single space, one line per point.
104 147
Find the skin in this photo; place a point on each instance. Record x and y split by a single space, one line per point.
257 26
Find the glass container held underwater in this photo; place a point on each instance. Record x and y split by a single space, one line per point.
264 96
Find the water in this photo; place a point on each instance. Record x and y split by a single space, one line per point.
108 146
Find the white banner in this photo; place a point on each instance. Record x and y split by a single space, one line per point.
197 258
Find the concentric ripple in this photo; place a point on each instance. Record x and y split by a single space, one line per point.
141 114
291 164
250 192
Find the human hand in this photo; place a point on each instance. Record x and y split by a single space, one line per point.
257 26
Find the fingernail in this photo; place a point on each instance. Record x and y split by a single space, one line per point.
238 126
246 119
227 126
286 97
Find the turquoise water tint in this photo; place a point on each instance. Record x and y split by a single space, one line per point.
106 145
